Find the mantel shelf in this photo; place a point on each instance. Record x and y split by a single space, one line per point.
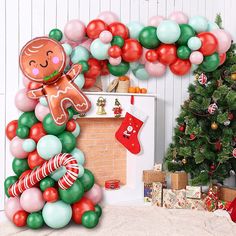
121 94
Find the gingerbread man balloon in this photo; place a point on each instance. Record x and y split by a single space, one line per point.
43 60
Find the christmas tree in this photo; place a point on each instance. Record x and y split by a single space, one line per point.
204 142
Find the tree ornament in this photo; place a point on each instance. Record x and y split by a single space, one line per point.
212 108
184 161
182 128
230 116
192 136
227 122
218 146
214 125
202 79
117 109
233 76
234 153
212 167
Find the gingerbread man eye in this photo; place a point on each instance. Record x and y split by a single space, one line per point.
31 62
48 52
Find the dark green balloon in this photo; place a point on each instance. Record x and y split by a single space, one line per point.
120 69
19 166
148 37
56 34
27 119
98 210
210 63
117 40
35 220
72 194
22 132
183 52
85 66
72 112
8 182
90 219
51 127
87 180
186 33
68 141
46 183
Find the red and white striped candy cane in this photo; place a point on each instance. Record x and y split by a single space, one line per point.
72 171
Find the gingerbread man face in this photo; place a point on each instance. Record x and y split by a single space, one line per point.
42 60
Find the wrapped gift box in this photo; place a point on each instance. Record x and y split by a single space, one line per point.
179 180
151 176
227 194
157 194
224 205
193 192
211 200
174 198
147 192
195 204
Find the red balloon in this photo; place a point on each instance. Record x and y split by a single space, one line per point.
37 132
20 218
180 67
95 27
94 68
119 29
70 125
104 68
80 207
11 129
89 82
132 50
34 159
209 43
151 55
50 194
114 51
167 53
222 58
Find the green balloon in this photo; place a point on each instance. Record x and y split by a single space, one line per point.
27 119
19 166
46 183
98 210
210 63
70 112
186 33
22 132
8 182
117 40
85 66
183 52
51 127
55 34
35 220
90 219
68 141
120 69
148 37
87 180
72 194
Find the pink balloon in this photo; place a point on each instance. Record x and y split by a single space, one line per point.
23 102
115 61
74 30
179 17
12 205
143 59
224 40
105 36
16 148
32 200
196 58
155 20
108 17
94 194
86 43
26 82
41 111
72 43
155 69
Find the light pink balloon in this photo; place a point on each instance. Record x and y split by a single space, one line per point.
16 148
155 20
74 30
72 43
32 200
115 61
26 82
95 194
12 205
105 36
108 17
224 40
23 102
86 43
143 59
155 69
179 17
196 58
41 111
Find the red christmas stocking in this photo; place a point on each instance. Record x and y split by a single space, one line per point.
127 134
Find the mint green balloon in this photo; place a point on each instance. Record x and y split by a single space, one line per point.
43 101
78 155
57 214
134 65
81 171
134 29
194 43
76 132
79 53
67 48
198 23
57 174
29 145
79 81
99 50
141 73
212 26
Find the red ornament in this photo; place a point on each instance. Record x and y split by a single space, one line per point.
213 167
209 43
181 128
119 29
104 68
167 53
151 55
95 27
50 194
132 50
70 125
202 79
234 153
114 51
212 108
34 159
222 58
94 68
180 67
11 129
80 207
230 116
192 136
37 132
20 218
218 146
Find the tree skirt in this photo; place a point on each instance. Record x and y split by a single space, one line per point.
141 220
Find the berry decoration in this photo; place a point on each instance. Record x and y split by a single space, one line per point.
212 108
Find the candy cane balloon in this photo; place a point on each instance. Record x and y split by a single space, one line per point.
72 171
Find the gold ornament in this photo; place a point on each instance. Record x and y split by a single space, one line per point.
101 103
214 125
233 76
184 161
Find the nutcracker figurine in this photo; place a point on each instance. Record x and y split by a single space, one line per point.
117 109
101 103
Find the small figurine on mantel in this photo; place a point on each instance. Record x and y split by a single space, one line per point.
117 109
101 103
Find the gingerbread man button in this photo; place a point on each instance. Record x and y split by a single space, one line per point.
43 60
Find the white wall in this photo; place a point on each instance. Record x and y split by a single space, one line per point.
20 20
